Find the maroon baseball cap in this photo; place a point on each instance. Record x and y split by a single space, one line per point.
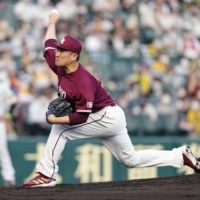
70 43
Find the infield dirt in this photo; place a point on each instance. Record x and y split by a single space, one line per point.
186 187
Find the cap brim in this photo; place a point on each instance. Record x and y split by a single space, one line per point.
59 46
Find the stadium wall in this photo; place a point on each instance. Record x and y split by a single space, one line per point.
89 161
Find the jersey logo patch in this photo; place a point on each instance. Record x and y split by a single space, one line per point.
89 104
62 41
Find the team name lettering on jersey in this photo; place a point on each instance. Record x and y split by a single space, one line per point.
61 92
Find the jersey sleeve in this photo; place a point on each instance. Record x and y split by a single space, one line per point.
78 118
49 53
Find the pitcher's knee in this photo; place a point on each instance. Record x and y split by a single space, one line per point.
129 162
128 157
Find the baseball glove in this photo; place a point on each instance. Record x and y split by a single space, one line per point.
59 107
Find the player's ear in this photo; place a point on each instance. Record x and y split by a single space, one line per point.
75 56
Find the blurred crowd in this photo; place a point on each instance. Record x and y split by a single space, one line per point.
147 54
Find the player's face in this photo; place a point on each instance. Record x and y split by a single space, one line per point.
65 58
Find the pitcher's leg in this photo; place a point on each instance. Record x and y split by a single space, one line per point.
123 149
53 149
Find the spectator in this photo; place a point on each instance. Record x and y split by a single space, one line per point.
165 38
192 122
36 122
24 5
188 45
70 6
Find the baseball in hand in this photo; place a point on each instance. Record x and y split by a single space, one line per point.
54 11
54 16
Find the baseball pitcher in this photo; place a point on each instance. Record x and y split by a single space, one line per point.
94 114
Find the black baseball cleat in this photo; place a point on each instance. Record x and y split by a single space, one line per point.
190 159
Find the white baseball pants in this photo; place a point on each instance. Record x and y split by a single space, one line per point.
109 125
7 169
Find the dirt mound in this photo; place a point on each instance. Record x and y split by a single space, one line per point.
169 188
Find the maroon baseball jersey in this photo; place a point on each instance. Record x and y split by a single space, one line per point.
80 87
